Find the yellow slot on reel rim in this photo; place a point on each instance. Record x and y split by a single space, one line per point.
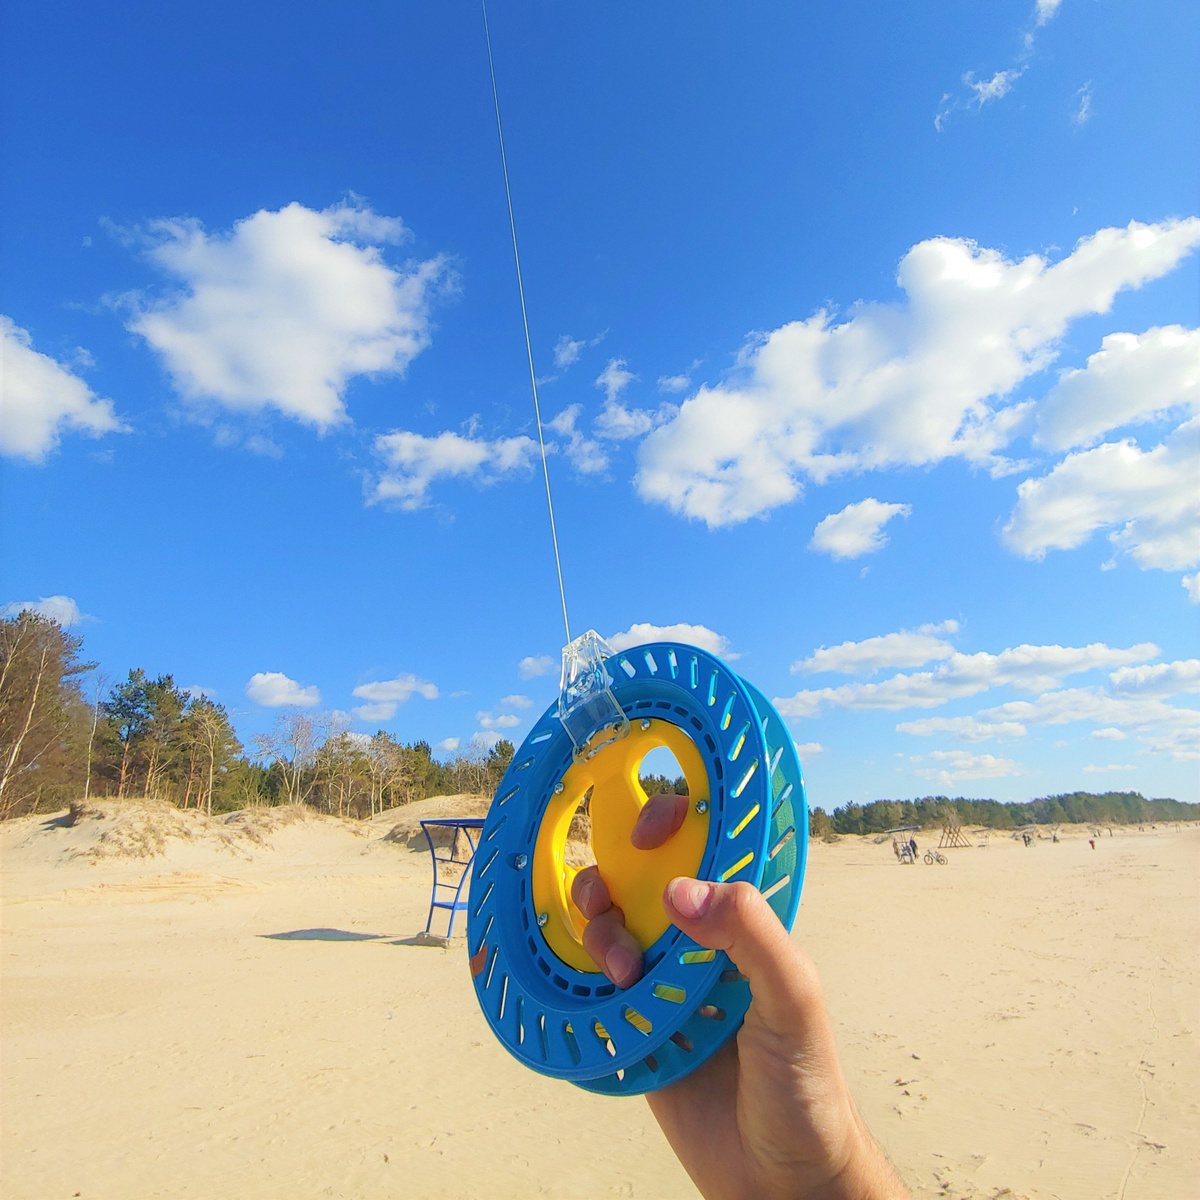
635 878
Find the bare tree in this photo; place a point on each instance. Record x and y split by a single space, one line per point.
101 682
293 744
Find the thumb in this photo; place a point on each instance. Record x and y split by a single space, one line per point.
735 918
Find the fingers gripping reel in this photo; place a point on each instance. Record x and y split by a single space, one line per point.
747 820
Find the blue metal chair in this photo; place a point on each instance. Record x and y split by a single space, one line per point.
470 827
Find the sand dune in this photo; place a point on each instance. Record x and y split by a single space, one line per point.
239 1008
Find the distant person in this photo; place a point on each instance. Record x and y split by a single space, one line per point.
1092 843
770 1114
912 845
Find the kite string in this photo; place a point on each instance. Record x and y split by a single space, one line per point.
525 321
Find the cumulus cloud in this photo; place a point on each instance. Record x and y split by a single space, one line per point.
1149 496
414 461
447 745
983 91
1111 734
1131 379
272 689
388 693
568 349
856 530
1158 679
1029 668
41 398
1161 727
615 378
515 701
585 454
62 609
962 764
896 384
284 309
503 721
692 635
1191 584
534 666
809 749
995 88
674 384
484 739
373 712
908 648
967 729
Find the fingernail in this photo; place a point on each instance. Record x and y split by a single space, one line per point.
585 892
691 897
620 962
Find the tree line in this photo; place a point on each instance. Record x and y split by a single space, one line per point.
66 734
932 812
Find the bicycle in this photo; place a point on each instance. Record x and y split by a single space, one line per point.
932 856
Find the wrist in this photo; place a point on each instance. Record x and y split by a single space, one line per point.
866 1175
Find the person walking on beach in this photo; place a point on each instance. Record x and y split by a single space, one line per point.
770 1115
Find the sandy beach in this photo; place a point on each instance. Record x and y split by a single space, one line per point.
1021 1022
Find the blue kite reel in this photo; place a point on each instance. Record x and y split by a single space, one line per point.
747 820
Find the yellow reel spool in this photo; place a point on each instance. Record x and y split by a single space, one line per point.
635 878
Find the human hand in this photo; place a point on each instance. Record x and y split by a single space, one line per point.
770 1114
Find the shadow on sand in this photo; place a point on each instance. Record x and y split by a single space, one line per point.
323 935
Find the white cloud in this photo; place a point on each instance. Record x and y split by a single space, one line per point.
904 649
1090 770
532 667
614 379
567 351
642 632
1160 679
1130 380
383 711
967 729
1029 668
618 423
809 749
484 740
1083 112
962 764
999 85
1192 585
447 745
504 721
272 689
1111 734
895 384
396 691
674 384
995 88
40 398
1149 495
62 609
1161 727
285 309
414 462
1046 9
585 454
856 530
515 701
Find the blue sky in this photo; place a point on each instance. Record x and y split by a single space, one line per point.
867 337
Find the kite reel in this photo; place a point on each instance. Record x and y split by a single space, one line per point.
747 819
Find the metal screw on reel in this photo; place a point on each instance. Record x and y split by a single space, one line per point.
549 1007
